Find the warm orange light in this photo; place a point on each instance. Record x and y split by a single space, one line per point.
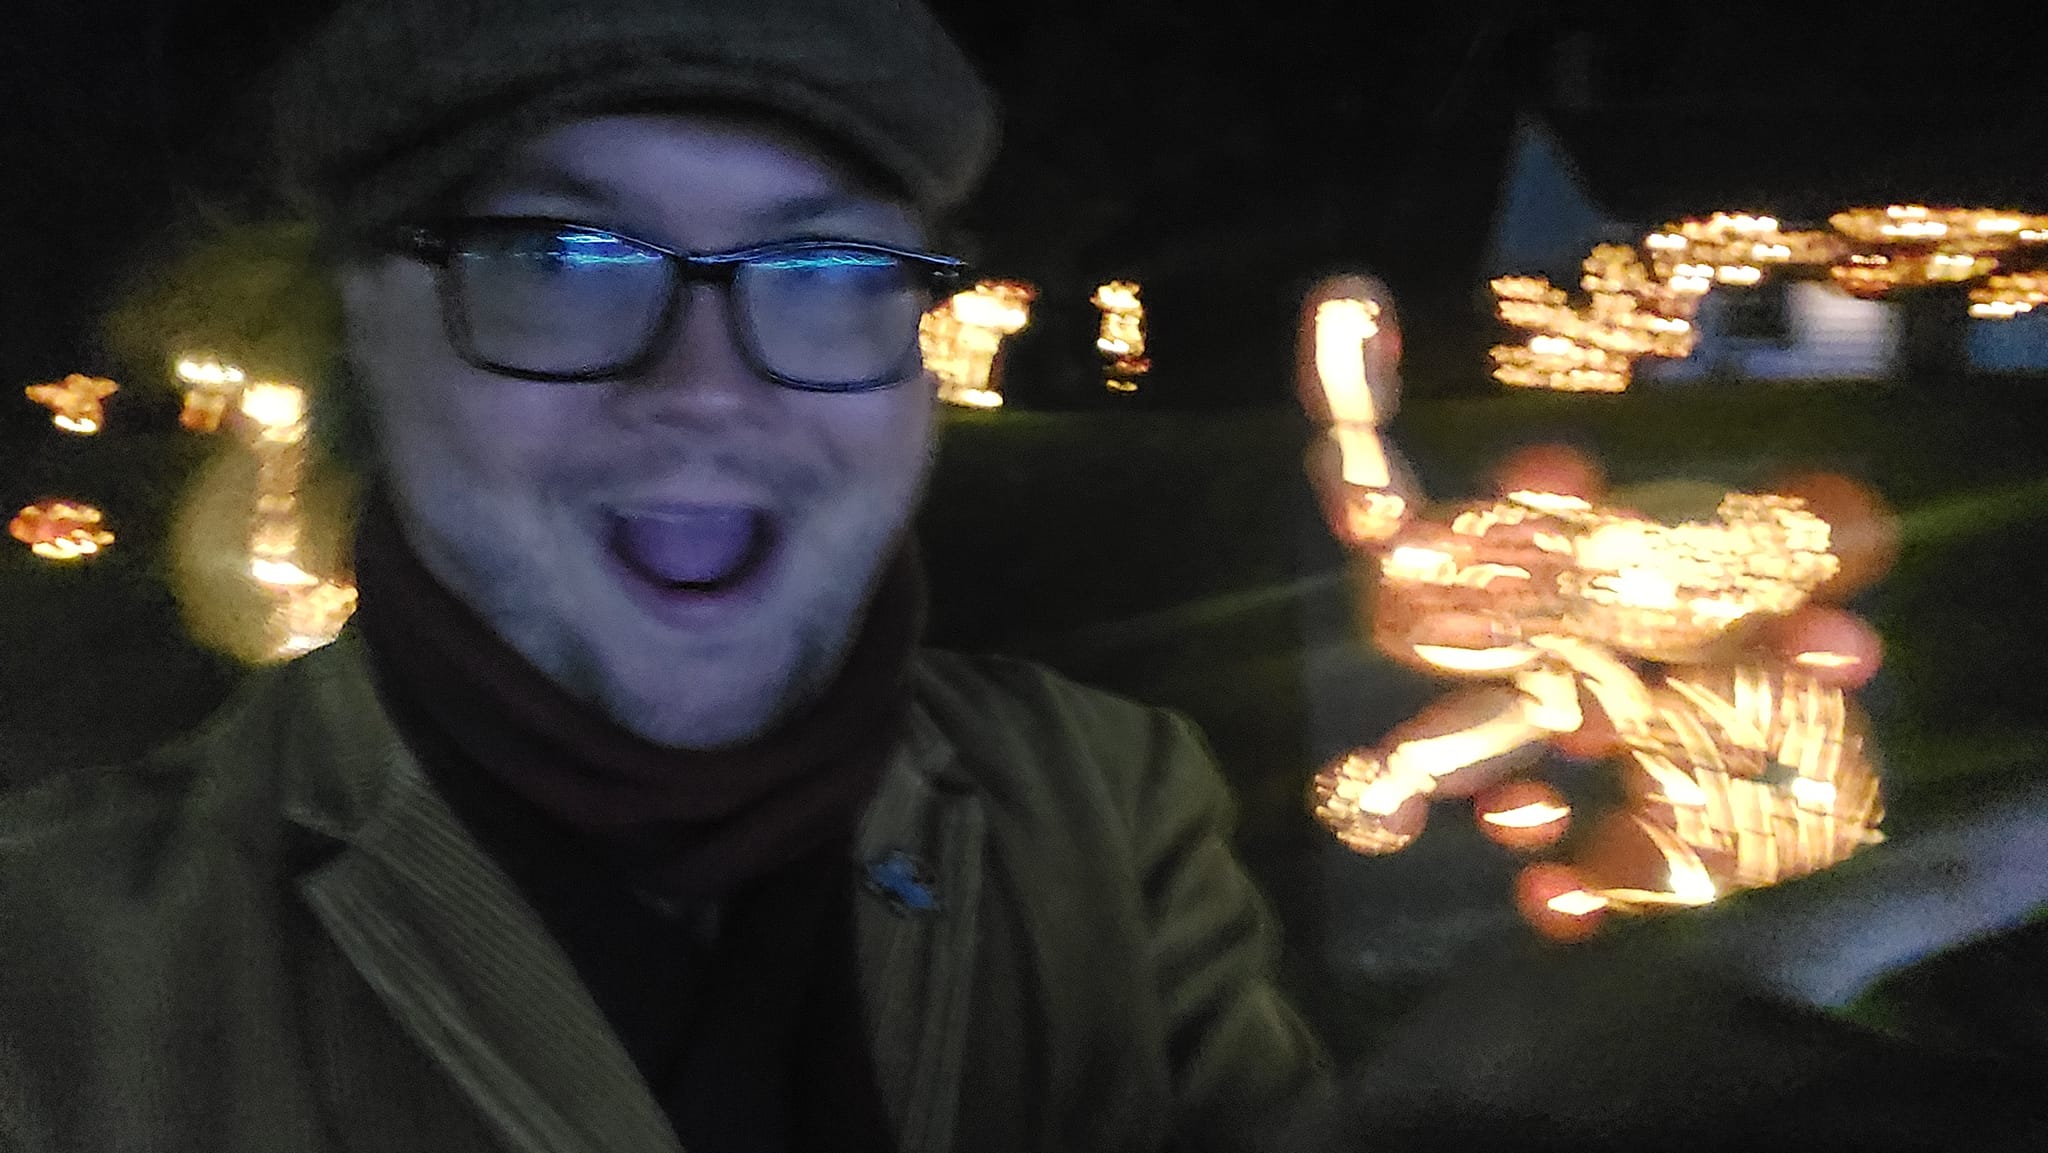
313 616
1641 300
2004 297
76 403
1122 338
202 371
962 337
280 409
210 387
1576 903
1374 515
1530 816
61 530
1555 902
1650 589
1523 815
1343 329
1452 659
1370 808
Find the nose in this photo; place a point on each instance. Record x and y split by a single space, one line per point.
701 373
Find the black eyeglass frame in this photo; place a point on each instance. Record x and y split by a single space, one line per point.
439 243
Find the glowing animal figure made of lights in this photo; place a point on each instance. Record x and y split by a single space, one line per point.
76 403
1741 771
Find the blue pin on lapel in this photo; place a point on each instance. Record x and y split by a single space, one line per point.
904 881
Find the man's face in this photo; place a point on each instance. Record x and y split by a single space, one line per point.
690 547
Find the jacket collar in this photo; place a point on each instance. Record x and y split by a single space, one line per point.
447 942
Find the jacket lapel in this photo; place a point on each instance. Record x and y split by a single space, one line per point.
446 941
921 843
469 970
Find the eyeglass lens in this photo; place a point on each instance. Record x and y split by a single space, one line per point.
570 302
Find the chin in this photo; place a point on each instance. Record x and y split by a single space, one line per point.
721 721
703 697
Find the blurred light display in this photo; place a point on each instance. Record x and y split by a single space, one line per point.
1605 633
249 584
1643 300
1749 776
308 610
962 337
61 530
211 387
1758 771
1523 815
76 403
1357 382
2004 297
1122 338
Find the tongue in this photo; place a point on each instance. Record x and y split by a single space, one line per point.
688 545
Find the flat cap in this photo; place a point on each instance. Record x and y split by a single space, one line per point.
392 103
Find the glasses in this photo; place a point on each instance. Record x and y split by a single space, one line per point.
544 299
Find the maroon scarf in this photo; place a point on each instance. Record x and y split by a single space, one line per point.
685 824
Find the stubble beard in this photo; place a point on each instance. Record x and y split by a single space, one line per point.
675 690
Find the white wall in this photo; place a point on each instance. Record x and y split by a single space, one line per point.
1832 336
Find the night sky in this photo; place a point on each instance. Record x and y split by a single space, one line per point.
1252 145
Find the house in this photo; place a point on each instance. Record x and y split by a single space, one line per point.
1574 180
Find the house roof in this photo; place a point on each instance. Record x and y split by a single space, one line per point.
1800 164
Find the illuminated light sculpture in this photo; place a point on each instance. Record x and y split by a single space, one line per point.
307 610
1122 339
61 530
1576 618
1967 230
962 336
210 388
314 615
1633 311
1757 775
1642 300
76 403
1356 380
1525 814
2003 297
1554 898
1759 769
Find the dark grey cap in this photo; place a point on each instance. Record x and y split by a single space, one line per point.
393 103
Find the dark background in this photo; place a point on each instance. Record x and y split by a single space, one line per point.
1220 154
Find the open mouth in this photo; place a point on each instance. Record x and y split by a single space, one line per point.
693 551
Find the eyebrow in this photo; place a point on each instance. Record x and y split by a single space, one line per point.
788 213
801 210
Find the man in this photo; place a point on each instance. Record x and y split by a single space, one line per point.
628 814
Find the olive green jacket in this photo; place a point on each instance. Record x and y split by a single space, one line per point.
274 935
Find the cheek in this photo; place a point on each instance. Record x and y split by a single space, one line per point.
880 438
